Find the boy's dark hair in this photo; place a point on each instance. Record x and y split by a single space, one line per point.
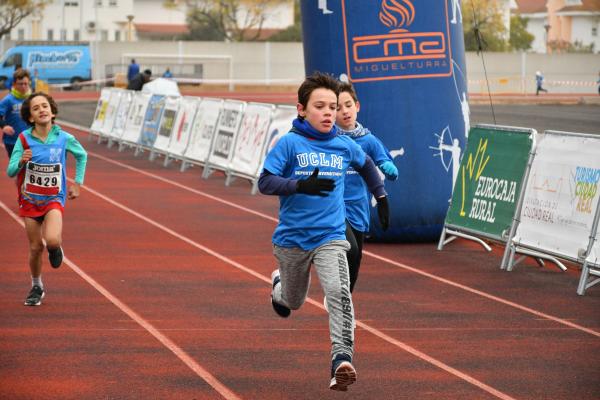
26 106
148 72
348 88
317 80
20 74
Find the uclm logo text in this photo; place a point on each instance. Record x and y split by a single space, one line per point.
395 41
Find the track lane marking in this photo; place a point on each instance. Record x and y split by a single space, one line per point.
205 374
370 254
163 339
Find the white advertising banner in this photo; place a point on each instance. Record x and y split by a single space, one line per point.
182 128
561 194
98 121
281 123
111 112
203 130
135 117
121 115
221 149
167 121
251 138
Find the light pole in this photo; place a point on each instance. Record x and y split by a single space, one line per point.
546 36
129 28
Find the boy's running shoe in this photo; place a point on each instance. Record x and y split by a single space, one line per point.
281 310
55 256
35 296
343 373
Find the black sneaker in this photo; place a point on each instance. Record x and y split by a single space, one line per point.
343 373
55 256
282 311
35 296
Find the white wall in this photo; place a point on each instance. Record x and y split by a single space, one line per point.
582 31
153 12
535 26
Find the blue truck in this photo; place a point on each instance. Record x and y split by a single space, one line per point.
61 62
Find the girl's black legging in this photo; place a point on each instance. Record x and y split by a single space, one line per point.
355 238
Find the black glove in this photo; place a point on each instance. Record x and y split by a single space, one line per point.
315 185
383 212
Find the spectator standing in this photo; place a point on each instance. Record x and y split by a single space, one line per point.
139 80
133 70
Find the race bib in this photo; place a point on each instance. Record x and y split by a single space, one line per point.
43 179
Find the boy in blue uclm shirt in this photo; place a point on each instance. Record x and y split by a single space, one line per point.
356 195
11 122
307 168
39 162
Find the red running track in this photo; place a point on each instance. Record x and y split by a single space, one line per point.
165 295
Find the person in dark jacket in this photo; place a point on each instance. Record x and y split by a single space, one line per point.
139 80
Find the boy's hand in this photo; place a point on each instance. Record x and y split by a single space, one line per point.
27 154
8 130
383 212
389 170
315 185
73 191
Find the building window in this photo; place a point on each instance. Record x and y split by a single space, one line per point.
21 34
7 36
117 36
112 3
50 34
595 31
76 34
63 34
71 4
104 35
98 3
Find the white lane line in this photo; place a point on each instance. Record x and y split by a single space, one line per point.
164 340
264 278
370 254
487 295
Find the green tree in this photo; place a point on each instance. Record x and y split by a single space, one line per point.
231 20
483 18
14 11
520 39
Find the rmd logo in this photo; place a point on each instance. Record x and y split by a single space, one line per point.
396 40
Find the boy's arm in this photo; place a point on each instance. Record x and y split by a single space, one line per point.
75 148
14 164
269 183
313 185
383 159
369 173
3 109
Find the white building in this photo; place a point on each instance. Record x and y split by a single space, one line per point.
566 21
123 20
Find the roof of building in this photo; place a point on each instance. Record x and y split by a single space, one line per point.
586 5
531 6
162 28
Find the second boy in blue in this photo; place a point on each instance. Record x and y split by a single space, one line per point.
356 195
11 122
307 169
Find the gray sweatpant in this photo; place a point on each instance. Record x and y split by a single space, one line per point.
331 265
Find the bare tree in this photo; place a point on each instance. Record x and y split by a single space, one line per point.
232 20
13 11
